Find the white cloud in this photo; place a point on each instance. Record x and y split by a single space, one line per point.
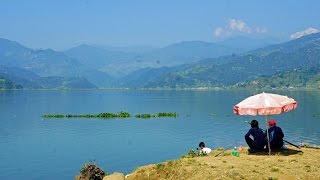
237 26
304 33
260 30
218 31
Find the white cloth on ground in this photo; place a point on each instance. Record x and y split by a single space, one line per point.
205 150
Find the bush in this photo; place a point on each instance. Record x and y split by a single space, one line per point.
90 171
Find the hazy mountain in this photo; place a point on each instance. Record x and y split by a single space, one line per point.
290 46
96 57
144 76
246 44
26 78
42 62
189 52
48 63
98 78
115 63
185 64
303 52
8 84
118 63
30 80
128 49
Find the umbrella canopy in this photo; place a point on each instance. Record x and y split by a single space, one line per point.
265 104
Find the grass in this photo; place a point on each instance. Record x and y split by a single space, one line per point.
291 165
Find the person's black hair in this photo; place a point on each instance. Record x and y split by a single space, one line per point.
201 144
254 123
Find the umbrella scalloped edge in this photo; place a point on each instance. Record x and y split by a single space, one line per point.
264 111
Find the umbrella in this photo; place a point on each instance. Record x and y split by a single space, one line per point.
265 104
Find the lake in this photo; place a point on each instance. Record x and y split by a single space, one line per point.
35 148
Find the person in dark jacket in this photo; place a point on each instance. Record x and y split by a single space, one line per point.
258 141
275 135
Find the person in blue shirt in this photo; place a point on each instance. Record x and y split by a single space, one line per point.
258 141
275 135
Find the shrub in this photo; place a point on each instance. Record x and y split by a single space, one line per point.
90 171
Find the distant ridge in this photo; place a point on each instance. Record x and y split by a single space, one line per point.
224 71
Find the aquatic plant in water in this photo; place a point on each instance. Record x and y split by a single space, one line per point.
160 114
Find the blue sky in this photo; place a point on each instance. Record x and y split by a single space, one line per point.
60 24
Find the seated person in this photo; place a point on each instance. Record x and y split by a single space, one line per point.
203 149
258 141
275 135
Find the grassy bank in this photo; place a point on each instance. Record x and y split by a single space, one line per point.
291 164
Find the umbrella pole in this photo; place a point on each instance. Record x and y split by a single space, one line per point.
268 135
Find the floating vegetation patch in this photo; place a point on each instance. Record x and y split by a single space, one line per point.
316 115
107 115
213 115
161 114
101 115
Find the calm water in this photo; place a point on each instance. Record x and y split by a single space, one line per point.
36 148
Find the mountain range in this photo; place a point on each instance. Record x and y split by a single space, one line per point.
224 71
179 65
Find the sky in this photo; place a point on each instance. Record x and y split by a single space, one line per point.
62 24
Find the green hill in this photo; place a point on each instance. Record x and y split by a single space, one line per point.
296 79
7 84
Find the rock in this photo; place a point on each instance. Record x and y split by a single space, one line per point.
114 176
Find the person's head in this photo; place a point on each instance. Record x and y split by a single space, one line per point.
254 123
272 122
201 145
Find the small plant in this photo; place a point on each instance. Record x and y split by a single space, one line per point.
170 163
193 153
308 168
272 178
274 169
90 171
160 166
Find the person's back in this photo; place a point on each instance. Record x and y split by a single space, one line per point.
275 135
258 141
258 137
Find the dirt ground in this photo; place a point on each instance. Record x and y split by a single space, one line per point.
293 163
